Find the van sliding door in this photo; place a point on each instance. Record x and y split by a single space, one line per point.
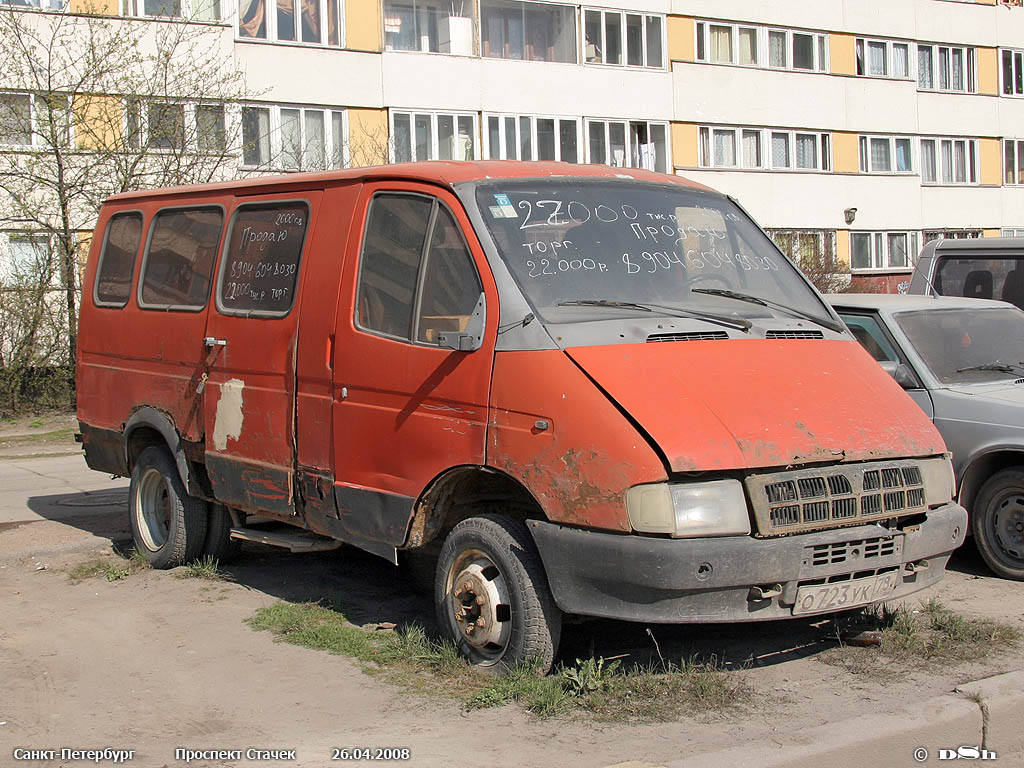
251 341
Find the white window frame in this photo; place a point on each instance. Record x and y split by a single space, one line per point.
1012 232
577 30
1016 86
189 125
823 148
532 119
36 141
661 165
136 9
864 157
270 19
862 46
820 44
36 238
968 75
276 138
1013 151
971 167
622 13
879 250
434 115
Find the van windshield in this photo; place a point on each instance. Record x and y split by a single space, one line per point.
968 346
581 249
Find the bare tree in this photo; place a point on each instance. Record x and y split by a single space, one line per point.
95 105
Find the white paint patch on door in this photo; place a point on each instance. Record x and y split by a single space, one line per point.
228 419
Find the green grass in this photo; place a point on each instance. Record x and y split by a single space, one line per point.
930 636
603 688
112 570
204 568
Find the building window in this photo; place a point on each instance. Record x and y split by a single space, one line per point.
194 10
769 148
16 119
952 234
1013 73
293 138
633 144
885 154
430 26
1011 232
175 126
621 38
29 258
949 161
947 68
433 136
882 58
315 22
46 5
528 31
883 250
531 137
811 250
27 121
750 46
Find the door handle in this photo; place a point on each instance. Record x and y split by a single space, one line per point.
210 341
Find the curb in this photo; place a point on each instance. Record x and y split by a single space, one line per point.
892 739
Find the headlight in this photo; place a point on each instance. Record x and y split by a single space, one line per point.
685 510
939 483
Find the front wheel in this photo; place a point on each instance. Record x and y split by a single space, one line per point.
168 525
492 595
997 522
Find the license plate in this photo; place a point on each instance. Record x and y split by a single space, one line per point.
845 594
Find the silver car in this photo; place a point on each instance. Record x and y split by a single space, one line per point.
962 361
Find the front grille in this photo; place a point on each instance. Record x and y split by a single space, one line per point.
787 502
851 551
690 336
794 335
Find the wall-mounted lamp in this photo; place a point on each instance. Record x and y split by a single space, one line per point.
850 214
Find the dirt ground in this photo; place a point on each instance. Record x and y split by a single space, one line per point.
154 663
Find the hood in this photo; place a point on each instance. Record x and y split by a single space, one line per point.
998 394
752 403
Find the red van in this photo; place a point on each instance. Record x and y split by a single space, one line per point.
579 389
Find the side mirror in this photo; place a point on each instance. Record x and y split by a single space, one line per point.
900 373
470 339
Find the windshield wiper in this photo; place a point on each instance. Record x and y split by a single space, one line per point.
824 322
995 366
736 323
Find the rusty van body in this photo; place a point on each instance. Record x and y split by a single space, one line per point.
577 389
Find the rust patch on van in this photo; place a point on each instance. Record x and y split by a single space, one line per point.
229 417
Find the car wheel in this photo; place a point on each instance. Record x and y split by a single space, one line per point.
997 522
168 525
492 596
219 545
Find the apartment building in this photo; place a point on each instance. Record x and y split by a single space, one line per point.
853 131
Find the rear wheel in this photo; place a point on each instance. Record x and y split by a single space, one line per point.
997 522
492 595
168 525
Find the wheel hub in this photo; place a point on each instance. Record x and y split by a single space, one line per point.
478 596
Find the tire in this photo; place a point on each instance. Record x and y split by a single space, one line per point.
997 522
168 525
219 545
492 596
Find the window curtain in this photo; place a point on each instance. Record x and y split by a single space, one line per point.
725 148
897 250
903 159
960 153
806 151
928 161
900 62
751 149
780 150
721 43
776 49
880 159
748 46
252 20
876 59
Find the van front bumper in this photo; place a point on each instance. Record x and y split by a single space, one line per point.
736 578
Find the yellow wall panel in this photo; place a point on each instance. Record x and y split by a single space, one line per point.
684 145
367 136
680 31
844 153
843 248
988 71
97 120
991 162
363 25
991 233
842 57
98 7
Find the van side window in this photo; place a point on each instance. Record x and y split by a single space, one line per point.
451 287
260 269
117 259
179 258
396 229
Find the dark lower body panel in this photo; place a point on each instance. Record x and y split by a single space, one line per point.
641 578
